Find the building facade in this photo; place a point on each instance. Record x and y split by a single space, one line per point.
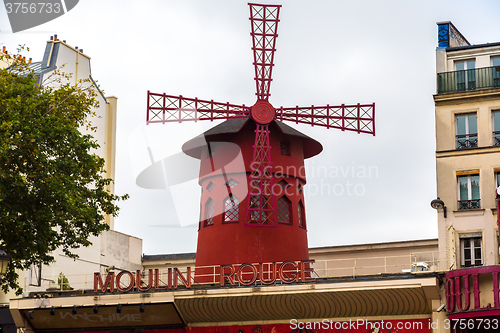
111 249
467 109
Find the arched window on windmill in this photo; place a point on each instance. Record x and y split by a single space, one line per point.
284 210
209 212
231 209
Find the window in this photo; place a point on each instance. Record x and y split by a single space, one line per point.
283 184
284 210
231 183
35 276
466 131
209 212
497 178
256 214
466 75
231 209
468 191
496 128
471 251
302 217
495 62
465 64
210 186
285 148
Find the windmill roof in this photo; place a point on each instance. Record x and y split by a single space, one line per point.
194 146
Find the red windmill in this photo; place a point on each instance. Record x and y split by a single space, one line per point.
283 147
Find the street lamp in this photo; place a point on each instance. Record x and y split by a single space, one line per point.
438 204
4 261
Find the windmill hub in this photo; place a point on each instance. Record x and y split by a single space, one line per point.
263 112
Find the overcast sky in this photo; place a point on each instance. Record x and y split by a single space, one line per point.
377 189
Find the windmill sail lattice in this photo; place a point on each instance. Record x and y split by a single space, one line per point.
264 21
261 206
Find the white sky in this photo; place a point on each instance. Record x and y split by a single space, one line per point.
328 52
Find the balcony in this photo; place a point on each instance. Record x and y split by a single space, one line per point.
469 204
467 141
496 138
468 80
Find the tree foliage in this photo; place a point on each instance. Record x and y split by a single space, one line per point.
53 193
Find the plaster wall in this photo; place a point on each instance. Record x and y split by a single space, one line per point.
481 55
111 250
446 111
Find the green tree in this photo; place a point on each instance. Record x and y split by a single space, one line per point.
53 193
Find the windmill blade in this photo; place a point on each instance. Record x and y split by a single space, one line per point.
358 118
164 108
264 20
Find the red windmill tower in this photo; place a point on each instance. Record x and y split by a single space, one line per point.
264 220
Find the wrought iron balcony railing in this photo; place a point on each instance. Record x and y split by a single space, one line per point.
496 138
468 80
467 141
469 204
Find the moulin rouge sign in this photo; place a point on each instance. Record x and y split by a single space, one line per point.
473 289
245 274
